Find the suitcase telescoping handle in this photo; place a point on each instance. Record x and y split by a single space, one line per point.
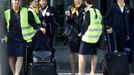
109 42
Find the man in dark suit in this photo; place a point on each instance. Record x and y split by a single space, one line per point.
118 19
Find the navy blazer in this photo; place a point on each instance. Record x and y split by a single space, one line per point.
74 22
50 20
120 22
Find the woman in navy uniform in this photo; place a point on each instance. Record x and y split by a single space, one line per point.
16 42
74 17
48 21
118 19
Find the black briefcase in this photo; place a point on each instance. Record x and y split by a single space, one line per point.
41 69
115 63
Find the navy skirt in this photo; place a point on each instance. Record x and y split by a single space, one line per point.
16 48
74 45
88 48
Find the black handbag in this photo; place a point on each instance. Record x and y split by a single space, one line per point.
68 30
42 56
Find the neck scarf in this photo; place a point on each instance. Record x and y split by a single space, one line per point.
121 4
75 9
35 9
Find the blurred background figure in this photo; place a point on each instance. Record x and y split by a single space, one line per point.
74 18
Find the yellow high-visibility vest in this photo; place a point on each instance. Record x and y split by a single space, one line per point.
94 31
35 15
27 30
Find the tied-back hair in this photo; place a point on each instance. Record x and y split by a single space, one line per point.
90 1
93 6
29 2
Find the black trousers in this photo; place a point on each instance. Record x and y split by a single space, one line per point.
119 42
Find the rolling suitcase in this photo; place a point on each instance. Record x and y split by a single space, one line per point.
43 63
115 63
129 50
42 69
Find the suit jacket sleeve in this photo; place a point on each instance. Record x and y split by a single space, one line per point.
53 24
106 18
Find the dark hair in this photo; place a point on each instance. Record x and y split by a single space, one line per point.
29 2
90 1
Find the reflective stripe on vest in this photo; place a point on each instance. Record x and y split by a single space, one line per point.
27 30
94 30
36 18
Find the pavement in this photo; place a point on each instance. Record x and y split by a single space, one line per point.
85 74
62 58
